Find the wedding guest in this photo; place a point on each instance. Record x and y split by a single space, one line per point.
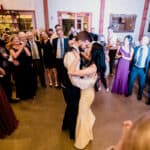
124 55
51 34
107 59
72 33
49 57
112 45
37 60
60 45
139 66
135 135
8 121
22 67
99 55
148 99
5 63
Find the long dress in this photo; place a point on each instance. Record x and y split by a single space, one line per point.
120 84
23 76
8 121
85 118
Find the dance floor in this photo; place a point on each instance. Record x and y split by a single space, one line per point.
41 119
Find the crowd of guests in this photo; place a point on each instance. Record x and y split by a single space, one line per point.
78 64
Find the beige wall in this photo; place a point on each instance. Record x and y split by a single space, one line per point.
147 22
93 6
111 6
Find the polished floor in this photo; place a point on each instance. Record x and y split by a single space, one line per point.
41 119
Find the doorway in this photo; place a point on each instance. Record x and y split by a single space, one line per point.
67 23
80 20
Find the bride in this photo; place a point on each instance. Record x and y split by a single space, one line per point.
85 118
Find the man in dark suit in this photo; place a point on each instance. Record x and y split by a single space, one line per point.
60 45
37 59
139 66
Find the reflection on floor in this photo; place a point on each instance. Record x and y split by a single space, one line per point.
41 119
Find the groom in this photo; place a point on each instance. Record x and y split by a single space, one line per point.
72 93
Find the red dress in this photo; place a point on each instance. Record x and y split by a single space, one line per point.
8 121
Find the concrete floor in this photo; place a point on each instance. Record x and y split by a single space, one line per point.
41 119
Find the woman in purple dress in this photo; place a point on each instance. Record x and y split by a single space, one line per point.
124 55
8 121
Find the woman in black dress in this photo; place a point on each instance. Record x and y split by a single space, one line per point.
22 68
49 60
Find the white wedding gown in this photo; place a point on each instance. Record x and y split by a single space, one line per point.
85 118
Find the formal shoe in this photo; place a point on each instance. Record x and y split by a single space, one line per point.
107 90
64 128
147 102
50 84
139 97
13 101
17 98
56 85
44 85
127 95
72 136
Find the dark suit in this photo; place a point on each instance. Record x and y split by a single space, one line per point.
71 96
38 65
138 72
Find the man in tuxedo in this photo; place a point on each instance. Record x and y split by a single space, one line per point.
60 45
37 59
71 92
139 66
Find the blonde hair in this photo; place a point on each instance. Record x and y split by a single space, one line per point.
10 44
139 135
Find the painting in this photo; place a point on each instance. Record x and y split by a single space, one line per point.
122 22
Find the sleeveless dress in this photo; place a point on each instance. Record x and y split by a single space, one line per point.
120 84
8 121
48 55
23 76
85 118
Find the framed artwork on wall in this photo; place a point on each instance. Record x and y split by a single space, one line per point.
122 22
